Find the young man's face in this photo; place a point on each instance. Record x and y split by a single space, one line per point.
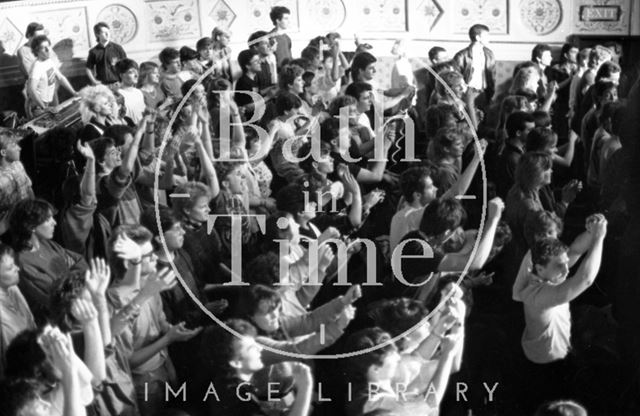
556 270
248 358
483 37
325 164
11 152
545 58
429 191
9 272
254 64
572 55
610 96
364 102
546 176
44 51
174 66
522 134
206 53
368 73
104 35
130 77
112 158
283 23
174 236
441 56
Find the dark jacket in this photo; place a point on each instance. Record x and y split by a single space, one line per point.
464 61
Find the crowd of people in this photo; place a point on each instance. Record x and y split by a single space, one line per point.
456 249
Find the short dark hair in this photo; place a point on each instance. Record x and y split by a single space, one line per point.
26 216
358 366
98 26
288 74
250 299
340 101
437 117
65 291
398 315
355 89
433 52
546 249
411 181
26 359
264 269
540 139
286 101
17 394
245 57
218 346
517 121
204 43
277 12
253 38
167 55
126 64
32 28
530 168
441 216
541 118
37 41
476 30
291 199
360 62
188 54
606 70
150 221
118 132
309 53
100 146
538 222
538 50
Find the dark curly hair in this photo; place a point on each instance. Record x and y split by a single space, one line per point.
218 346
358 366
26 359
26 216
65 292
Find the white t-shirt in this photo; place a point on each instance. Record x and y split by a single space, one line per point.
134 103
404 221
43 79
477 80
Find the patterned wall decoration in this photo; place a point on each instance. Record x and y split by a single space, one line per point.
493 13
601 16
541 16
381 15
259 13
326 15
10 36
122 21
222 14
66 24
173 20
430 13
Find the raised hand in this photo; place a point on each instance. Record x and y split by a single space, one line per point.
597 226
98 278
179 333
353 294
325 256
496 207
83 311
58 348
350 182
346 316
571 190
127 249
159 281
217 306
85 150
301 374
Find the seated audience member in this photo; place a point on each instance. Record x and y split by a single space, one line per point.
42 261
104 57
170 83
136 284
47 357
229 363
301 334
15 315
373 376
15 184
44 78
133 98
96 109
149 84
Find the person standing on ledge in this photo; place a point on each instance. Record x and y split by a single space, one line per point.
477 64
102 59
280 17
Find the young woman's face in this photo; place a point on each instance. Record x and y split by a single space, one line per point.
457 148
103 106
364 102
112 159
130 77
9 272
267 318
298 85
236 181
154 76
200 210
174 237
546 176
248 355
44 231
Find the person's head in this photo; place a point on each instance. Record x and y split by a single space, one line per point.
448 143
529 97
599 55
540 225
142 237
541 118
189 60
455 81
541 55
107 154
518 125
550 260
198 94
96 101
561 408
611 111
363 67
9 147
195 208
377 365
525 79
149 73
170 227
342 101
26 359
170 60
249 61
604 92
34 29
569 53
262 306
128 71
31 217
264 269
102 32
290 79
609 71
310 83
41 47
416 185
361 91
542 139
227 355
479 33
324 164
9 271
279 16
122 135
399 315
66 290
533 171
23 397
221 37
311 54
296 201
438 54
442 217
583 57
260 42
439 116
287 103
204 47
231 177
119 108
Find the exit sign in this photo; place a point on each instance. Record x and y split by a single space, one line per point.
600 13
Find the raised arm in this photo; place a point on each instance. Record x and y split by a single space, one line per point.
462 184
88 182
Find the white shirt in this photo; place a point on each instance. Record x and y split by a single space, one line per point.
404 221
134 103
42 78
477 80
